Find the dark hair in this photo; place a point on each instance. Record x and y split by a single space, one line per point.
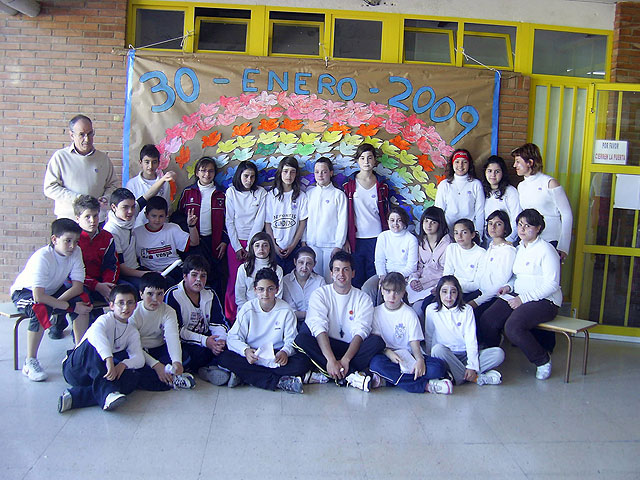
64 225
327 161
76 119
157 203
449 279
204 161
149 150
341 256
533 218
449 167
469 225
277 182
504 181
404 216
152 280
85 202
120 194
366 147
394 281
308 250
435 214
530 153
266 274
123 289
195 262
502 215
250 262
237 181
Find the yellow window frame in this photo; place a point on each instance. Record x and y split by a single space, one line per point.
297 23
507 38
223 20
188 26
448 33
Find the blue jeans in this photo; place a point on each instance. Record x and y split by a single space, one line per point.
390 371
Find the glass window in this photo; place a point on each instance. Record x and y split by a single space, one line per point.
361 39
295 39
429 41
569 54
491 45
221 35
154 27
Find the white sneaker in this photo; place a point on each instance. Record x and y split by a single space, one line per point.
544 371
33 370
443 386
314 377
359 380
65 401
114 400
184 381
491 377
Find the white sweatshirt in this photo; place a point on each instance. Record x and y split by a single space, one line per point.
157 328
244 283
495 270
327 221
536 273
396 252
510 203
455 329
244 214
464 265
462 199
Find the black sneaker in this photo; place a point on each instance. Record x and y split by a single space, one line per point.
290 384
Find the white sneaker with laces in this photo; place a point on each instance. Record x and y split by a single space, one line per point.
443 386
314 377
490 377
544 371
114 400
359 380
33 370
184 381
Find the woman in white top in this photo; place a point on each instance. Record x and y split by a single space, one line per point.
461 194
499 195
396 251
531 297
244 217
545 194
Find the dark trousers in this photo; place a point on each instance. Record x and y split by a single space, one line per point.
287 264
391 372
363 259
217 277
306 343
518 325
195 357
147 376
84 370
263 377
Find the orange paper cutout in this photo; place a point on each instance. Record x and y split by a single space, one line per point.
291 125
440 178
366 130
425 163
241 130
400 143
268 124
183 157
336 127
211 140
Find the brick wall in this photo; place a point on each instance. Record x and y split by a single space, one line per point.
52 67
625 61
514 115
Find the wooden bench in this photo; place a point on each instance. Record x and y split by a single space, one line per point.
569 327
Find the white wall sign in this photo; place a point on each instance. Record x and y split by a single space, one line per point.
627 194
613 152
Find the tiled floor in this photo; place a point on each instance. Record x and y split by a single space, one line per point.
524 428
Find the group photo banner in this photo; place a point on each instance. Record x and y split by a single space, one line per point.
234 108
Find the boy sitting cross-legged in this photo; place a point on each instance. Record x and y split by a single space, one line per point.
203 327
265 324
90 368
158 326
39 290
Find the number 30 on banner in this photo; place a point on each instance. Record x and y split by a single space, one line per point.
163 86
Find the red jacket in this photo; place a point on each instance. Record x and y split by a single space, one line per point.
383 196
100 259
191 198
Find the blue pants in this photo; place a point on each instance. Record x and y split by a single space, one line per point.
84 370
364 259
287 264
147 376
263 377
195 357
390 371
306 343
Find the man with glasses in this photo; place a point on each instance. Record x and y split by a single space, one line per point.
79 169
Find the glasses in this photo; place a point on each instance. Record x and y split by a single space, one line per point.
84 134
208 172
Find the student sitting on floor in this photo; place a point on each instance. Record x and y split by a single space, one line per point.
39 290
158 326
298 285
95 376
203 327
260 342
402 363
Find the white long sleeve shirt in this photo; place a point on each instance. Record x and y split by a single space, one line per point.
464 264
509 203
139 186
254 328
327 221
462 199
396 252
109 335
244 283
455 329
298 296
342 317
157 328
553 205
244 214
536 273
496 269
285 215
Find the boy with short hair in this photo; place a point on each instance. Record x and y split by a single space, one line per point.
95 376
158 327
265 323
158 242
203 327
298 285
148 179
402 363
39 290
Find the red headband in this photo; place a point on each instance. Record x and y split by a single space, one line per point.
460 155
